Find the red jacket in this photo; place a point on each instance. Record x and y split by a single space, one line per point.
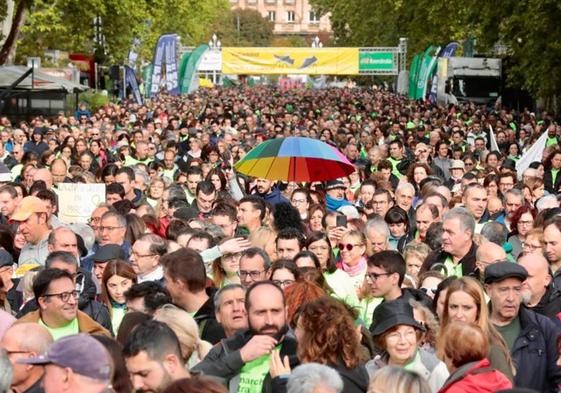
476 377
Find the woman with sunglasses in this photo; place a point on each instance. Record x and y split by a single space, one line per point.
465 302
352 248
339 282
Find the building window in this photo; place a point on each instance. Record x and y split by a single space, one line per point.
290 16
314 17
272 16
271 1
252 2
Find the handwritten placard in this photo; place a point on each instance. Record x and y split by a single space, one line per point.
77 201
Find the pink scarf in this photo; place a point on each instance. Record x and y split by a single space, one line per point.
356 269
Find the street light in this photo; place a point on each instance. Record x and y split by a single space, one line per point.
214 44
316 43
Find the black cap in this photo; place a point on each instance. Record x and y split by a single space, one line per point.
108 252
5 258
333 184
393 313
509 163
502 270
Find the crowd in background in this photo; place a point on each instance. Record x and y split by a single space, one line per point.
435 266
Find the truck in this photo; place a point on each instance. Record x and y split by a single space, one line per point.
474 79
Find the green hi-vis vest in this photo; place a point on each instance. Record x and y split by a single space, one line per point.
395 163
253 374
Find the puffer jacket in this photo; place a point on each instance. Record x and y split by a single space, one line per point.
476 377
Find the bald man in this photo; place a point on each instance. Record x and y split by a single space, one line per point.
537 291
45 175
495 206
487 254
26 340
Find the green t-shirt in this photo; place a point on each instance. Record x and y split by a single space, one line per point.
510 332
453 269
551 141
66 330
554 173
117 315
253 374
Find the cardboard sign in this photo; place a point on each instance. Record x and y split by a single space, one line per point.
77 201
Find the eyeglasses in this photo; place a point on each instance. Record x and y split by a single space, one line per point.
298 201
525 222
429 290
348 246
283 283
375 276
254 274
108 229
64 296
407 336
531 246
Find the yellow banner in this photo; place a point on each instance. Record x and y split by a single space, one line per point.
278 61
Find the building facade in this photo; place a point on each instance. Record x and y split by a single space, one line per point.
289 16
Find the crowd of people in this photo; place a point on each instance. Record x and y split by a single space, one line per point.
435 266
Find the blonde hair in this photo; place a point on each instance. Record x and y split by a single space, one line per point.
398 380
27 284
186 330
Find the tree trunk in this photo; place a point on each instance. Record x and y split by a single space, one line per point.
8 51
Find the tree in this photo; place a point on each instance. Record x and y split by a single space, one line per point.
244 28
7 51
530 29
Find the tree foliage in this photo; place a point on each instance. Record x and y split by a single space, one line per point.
68 25
244 28
529 29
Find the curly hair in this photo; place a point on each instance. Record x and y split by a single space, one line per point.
518 213
298 294
329 334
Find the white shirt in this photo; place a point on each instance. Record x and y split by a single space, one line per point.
155 275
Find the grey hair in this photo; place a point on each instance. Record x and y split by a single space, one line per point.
398 380
218 295
378 225
403 186
52 236
495 232
156 244
544 201
516 192
253 251
121 220
6 372
467 222
62 256
141 173
307 377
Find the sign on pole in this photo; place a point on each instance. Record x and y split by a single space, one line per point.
77 201
377 62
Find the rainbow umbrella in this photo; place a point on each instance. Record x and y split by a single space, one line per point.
295 159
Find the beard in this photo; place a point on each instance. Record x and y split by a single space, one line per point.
526 297
269 330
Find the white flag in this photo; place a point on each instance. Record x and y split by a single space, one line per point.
492 139
534 153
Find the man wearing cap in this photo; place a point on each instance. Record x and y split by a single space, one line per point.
335 195
103 256
457 168
8 285
24 341
33 224
77 363
530 337
55 292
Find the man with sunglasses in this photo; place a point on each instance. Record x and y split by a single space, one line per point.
56 294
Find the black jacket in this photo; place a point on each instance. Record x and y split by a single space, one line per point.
534 353
548 182
224 360
550 304
86 302
209 328
439 256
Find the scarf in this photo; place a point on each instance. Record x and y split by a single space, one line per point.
334 204
356 269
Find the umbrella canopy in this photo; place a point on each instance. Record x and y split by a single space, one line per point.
295 159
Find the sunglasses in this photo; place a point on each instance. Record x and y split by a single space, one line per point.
348 246
429 290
